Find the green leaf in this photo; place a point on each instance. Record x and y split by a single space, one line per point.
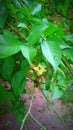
24 11
18 107
29 53
22 25
27 2
1 64
20 118
50 30
46 93
18 83
35 8
51 52
3 95
69 52
69 37
37 31
3 16
17 3
19 110
9 44
25 67
47 83
56 92
7 68
63 44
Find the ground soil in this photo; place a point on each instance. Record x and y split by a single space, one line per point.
41 111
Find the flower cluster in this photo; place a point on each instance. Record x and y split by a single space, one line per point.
38 69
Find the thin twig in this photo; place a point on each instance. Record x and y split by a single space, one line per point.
16 30
54 109
37 121
28 112
14 17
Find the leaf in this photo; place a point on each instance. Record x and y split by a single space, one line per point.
37 31
47 83
22 25
3 16
18 83
61 42
3 95
46 93
69 37
63 45
17 3
25 67
29 53
69 52
24 11
19 110
7 68
9 44
27 2
51 52
50 30
20 118
1 64
35 8
56 92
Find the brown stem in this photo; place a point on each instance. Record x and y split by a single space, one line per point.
29 27
16 30
14 17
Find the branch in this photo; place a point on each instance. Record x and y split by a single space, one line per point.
16 30
14 17
37 121
54 109
28 112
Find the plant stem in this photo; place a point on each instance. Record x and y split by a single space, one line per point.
54 109
16 30
28 112
37 121
14 17
68 66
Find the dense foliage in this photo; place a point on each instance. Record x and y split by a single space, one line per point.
36 41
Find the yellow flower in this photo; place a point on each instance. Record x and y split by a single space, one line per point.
31 72
39 69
